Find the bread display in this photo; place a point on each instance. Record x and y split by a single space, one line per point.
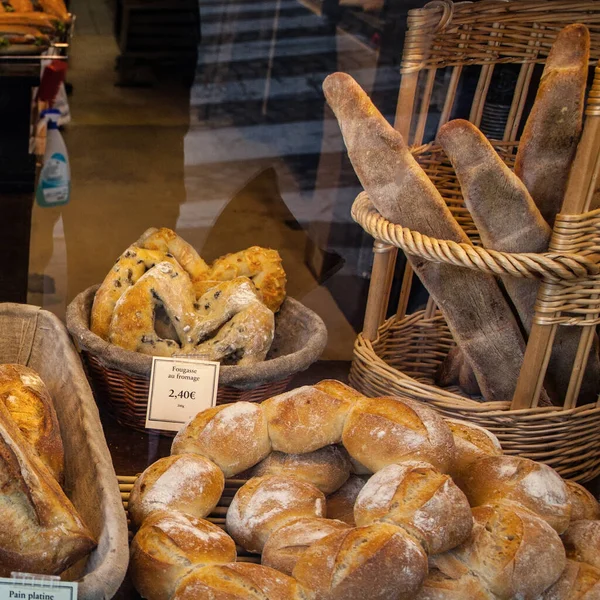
582 542
327 468
362 563
383 431
583 504
439 586
340 505
534 486
264 504
162 299
578 581
287 543
234 436
421 500
168 544
188 483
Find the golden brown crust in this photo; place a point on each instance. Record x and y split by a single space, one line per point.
27 399
168 545
584 505
578 581
438 586
339 390
582 542
187 483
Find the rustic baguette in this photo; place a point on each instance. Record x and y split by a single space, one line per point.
476 312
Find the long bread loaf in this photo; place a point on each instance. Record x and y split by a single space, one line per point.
478 315
552 132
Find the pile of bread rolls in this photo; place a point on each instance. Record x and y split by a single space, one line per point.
41 530
352 497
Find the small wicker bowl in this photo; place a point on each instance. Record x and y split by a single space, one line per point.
120 378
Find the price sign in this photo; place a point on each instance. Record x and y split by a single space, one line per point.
179 389
23 586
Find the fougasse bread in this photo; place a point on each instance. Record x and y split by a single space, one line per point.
479 317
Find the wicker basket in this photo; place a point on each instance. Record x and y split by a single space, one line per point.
400 355
120 378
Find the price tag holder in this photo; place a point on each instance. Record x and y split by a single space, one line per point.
179 389
26 586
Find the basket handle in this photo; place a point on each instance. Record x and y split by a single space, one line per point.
580 188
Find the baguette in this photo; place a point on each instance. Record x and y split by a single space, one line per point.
509 221
40 20
552 131
477 314
56 8
21 6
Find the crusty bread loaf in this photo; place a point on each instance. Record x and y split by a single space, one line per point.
327 468
552 131
286 544
237 581
477 314
41 531
379 562
30 405
418 498
578 581
234 436
512 551
472 443
306 419
188 483
264 504
438 586
533 485
168 544
382 431
583 504
582 542
338 390
340 505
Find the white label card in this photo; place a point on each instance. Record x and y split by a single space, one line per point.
179 389
33 588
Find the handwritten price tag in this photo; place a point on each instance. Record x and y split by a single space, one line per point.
179 389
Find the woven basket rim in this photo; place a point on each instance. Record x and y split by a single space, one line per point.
134 363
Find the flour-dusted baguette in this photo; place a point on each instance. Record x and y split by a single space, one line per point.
550 137
478 315
509 221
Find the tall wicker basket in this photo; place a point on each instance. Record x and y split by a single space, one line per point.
400 355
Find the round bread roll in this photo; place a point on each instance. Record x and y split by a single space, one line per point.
472 443
188 483
383 431
378 562
263 504
533 485
337 389
286 544
582 542
438 586
237 581
578 581
583 504
234 436
305 419
29 403
418 498
512 551
327 468
168 544
340 505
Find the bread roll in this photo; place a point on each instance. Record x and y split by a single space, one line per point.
582 542
339 390
264 504
578 581
237 581
418 498
583 504
512 551
327 468
479 318
187 483
533 485
438 586
30 405
306 419
378 562
472 443
168 544
234 436
383 431
286 544
340 505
